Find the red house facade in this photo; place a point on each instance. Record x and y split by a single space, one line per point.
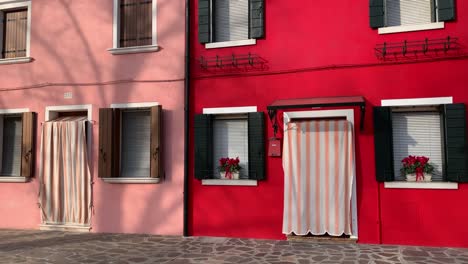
406 61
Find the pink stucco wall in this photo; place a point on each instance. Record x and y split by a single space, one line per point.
69 42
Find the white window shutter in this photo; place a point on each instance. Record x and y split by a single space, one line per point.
135 144
230 139
418 134
231 20
409 12
11 147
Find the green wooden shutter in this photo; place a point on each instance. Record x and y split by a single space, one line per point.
204 24
203 147
376 13
256 146
257 19
446 9
105 143
383 144
456 160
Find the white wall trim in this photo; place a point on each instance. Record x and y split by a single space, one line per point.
14 111
421 185
67 227
132 180
135 105
219 182
9 4
409 28
230 110
349 115
131 50
52 111
232 43
15 60
116 25
15 179
418 101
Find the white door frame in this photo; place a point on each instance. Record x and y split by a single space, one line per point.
349 115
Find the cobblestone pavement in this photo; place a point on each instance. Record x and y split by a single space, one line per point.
60 247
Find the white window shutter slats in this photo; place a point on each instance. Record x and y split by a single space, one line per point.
135 144
11 147
409 12
418 134
231 20
230 139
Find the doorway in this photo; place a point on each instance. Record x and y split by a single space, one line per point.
65 189
340 118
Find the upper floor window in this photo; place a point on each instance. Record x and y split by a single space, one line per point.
238 22
15 29
411 15
134 26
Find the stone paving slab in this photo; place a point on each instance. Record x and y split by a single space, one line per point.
27 246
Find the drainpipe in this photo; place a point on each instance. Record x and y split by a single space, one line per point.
187 115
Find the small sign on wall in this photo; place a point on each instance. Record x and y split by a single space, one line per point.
274 147
68 95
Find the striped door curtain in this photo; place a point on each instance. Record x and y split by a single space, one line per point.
318 164
65 179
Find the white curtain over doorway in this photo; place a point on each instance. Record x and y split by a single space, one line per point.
318 163
65 179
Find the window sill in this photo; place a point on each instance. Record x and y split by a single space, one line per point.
15 60
15 179
132 180
421 185
234 43
220 182
130 50
409 28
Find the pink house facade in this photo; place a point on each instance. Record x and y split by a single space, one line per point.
62 59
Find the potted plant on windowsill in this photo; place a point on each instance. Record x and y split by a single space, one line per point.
229 168
417 168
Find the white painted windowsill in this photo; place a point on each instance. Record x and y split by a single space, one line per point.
132 180
233 43
130 50
409 28
14 179
15 60
421 185
220 182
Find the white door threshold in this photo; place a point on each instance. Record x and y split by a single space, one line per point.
66 228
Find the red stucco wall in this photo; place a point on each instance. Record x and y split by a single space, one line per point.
313 49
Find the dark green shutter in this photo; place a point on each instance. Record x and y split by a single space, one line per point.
376 13
257 19
383 143
256 146
203 147
204 21
456 160
446 10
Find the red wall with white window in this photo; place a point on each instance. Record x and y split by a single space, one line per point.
314 49
69 42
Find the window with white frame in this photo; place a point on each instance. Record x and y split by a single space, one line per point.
413 14
240 21
17 133
229 133
15 29
436 131
130 142
134 26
